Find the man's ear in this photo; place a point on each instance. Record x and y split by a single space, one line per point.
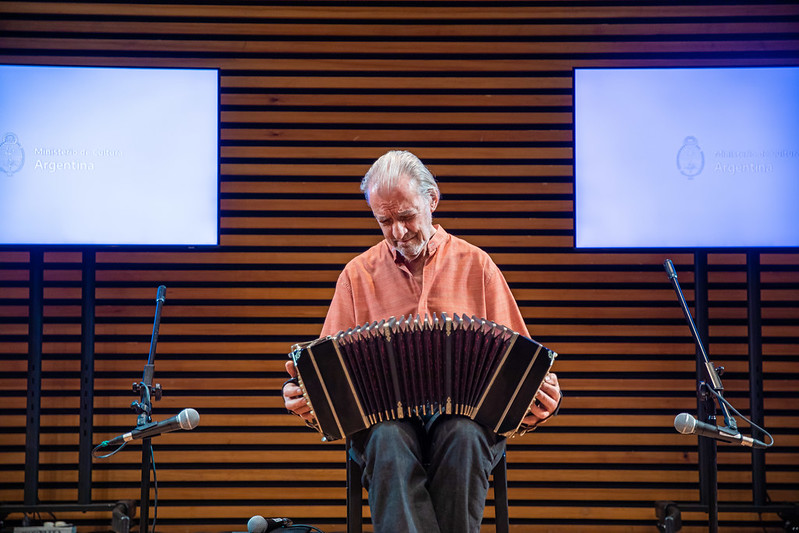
433 201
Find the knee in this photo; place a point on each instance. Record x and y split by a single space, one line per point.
390 430
391 452
461 441
392 441
456 430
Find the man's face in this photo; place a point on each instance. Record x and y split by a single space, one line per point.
405 217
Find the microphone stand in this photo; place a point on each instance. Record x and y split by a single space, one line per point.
707 407
144 408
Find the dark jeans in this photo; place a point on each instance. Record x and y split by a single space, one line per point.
427 480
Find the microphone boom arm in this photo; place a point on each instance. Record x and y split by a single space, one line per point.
712 375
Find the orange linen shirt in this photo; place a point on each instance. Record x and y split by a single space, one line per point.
458 277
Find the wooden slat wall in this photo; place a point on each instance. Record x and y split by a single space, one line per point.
312 93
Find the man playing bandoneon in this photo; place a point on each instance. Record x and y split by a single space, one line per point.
424 474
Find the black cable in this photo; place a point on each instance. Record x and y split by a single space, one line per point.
102 445
737 412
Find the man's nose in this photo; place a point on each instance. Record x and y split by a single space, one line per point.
398 230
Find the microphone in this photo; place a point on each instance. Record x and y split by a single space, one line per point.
688 425
186 419
259 524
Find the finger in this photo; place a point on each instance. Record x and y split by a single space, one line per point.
531 420
535 415
541 411
549 389
292 391
551 386
550 395
298 406
291 369
546 403
543 404
538 411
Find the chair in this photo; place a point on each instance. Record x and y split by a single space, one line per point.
355 495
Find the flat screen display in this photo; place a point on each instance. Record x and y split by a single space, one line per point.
686 158
108 156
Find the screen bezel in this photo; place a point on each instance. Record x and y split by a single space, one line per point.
77 246
656 249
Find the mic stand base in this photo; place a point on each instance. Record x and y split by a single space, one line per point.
669 513
669 518
122 511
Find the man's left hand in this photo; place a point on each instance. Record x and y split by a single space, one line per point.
545 402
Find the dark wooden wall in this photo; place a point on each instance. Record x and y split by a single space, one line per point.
312 92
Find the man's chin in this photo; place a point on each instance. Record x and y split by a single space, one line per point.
409 254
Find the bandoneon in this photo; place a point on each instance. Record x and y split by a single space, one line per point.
398 368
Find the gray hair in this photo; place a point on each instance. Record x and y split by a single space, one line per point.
386 171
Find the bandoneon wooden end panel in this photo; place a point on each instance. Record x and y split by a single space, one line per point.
328 390
515 385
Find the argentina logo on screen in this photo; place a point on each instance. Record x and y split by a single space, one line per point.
690 158
12 156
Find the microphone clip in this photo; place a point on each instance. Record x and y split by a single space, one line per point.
731 431
142 427
710 393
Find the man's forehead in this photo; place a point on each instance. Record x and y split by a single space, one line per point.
385 207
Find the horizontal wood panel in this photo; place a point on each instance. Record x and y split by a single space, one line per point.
305 330
454 12
396 117
409 137
267 478
364 101
358 66
421 47
349 189
407 29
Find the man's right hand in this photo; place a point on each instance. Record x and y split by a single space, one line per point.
292 396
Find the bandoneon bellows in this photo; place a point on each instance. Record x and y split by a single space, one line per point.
402 367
